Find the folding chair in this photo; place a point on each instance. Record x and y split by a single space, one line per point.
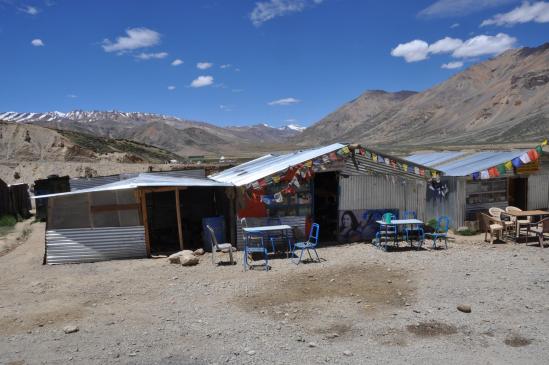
441 231
308 245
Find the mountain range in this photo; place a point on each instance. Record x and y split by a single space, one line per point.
501 100
183 137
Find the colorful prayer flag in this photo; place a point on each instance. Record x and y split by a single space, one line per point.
533 154
516 162
539 149
476 175
484 175
501 169
525 158
493 172
544 143
508 166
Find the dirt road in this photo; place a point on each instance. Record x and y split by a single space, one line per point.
360 305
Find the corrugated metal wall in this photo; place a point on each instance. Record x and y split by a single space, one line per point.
382 192
538 191
94 244
453 205
294 221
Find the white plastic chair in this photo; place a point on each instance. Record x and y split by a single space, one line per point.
219 246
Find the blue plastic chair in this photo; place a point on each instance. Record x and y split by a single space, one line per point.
441 231
413 229
387 231
253 243
308 245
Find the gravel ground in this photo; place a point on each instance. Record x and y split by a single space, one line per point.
360 305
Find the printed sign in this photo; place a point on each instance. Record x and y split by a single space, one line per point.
360 225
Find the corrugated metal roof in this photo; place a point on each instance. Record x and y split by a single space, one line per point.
269 164
144 180
433 159
91 182
467 163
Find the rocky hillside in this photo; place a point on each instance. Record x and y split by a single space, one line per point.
178 135
27 142
502 100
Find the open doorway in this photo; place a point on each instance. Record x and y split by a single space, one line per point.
325 204
518 192
196 203
162 216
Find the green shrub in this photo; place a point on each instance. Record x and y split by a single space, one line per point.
7 221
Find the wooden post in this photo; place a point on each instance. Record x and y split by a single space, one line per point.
90 214
143 198
178 211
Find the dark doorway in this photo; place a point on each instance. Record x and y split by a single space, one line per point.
518 192
195 203
325 204
163 234
198 203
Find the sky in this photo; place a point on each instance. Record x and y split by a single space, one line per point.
245 62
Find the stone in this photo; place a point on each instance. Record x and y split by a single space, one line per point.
312 344
70 329
189 260
199 252
176 257
251 352
347 353
465 308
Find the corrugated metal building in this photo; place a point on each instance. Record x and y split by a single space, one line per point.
526 187
356 186
127 219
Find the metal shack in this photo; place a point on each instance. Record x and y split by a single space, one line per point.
475 181
343 187
133 218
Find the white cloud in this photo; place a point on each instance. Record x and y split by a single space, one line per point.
227 65
136 38
270 9
416 50
31 10
452 8
419 50
445 45
202 81
536 12
72 96
177 62
37 42
227 108
284 101
485 45
150 56
204 65
455 25
171 88
452 65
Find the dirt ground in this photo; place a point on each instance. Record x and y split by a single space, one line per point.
359 305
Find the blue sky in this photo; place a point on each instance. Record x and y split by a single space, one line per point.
245 62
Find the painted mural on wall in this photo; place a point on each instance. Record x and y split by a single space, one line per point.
360 225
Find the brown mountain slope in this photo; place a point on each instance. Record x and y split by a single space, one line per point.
352 115
27 142
505 99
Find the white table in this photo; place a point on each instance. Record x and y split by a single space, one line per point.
264 230
261 229
399 222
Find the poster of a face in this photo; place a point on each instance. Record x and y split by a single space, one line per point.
360 225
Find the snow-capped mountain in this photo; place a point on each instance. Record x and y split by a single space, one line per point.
172 133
